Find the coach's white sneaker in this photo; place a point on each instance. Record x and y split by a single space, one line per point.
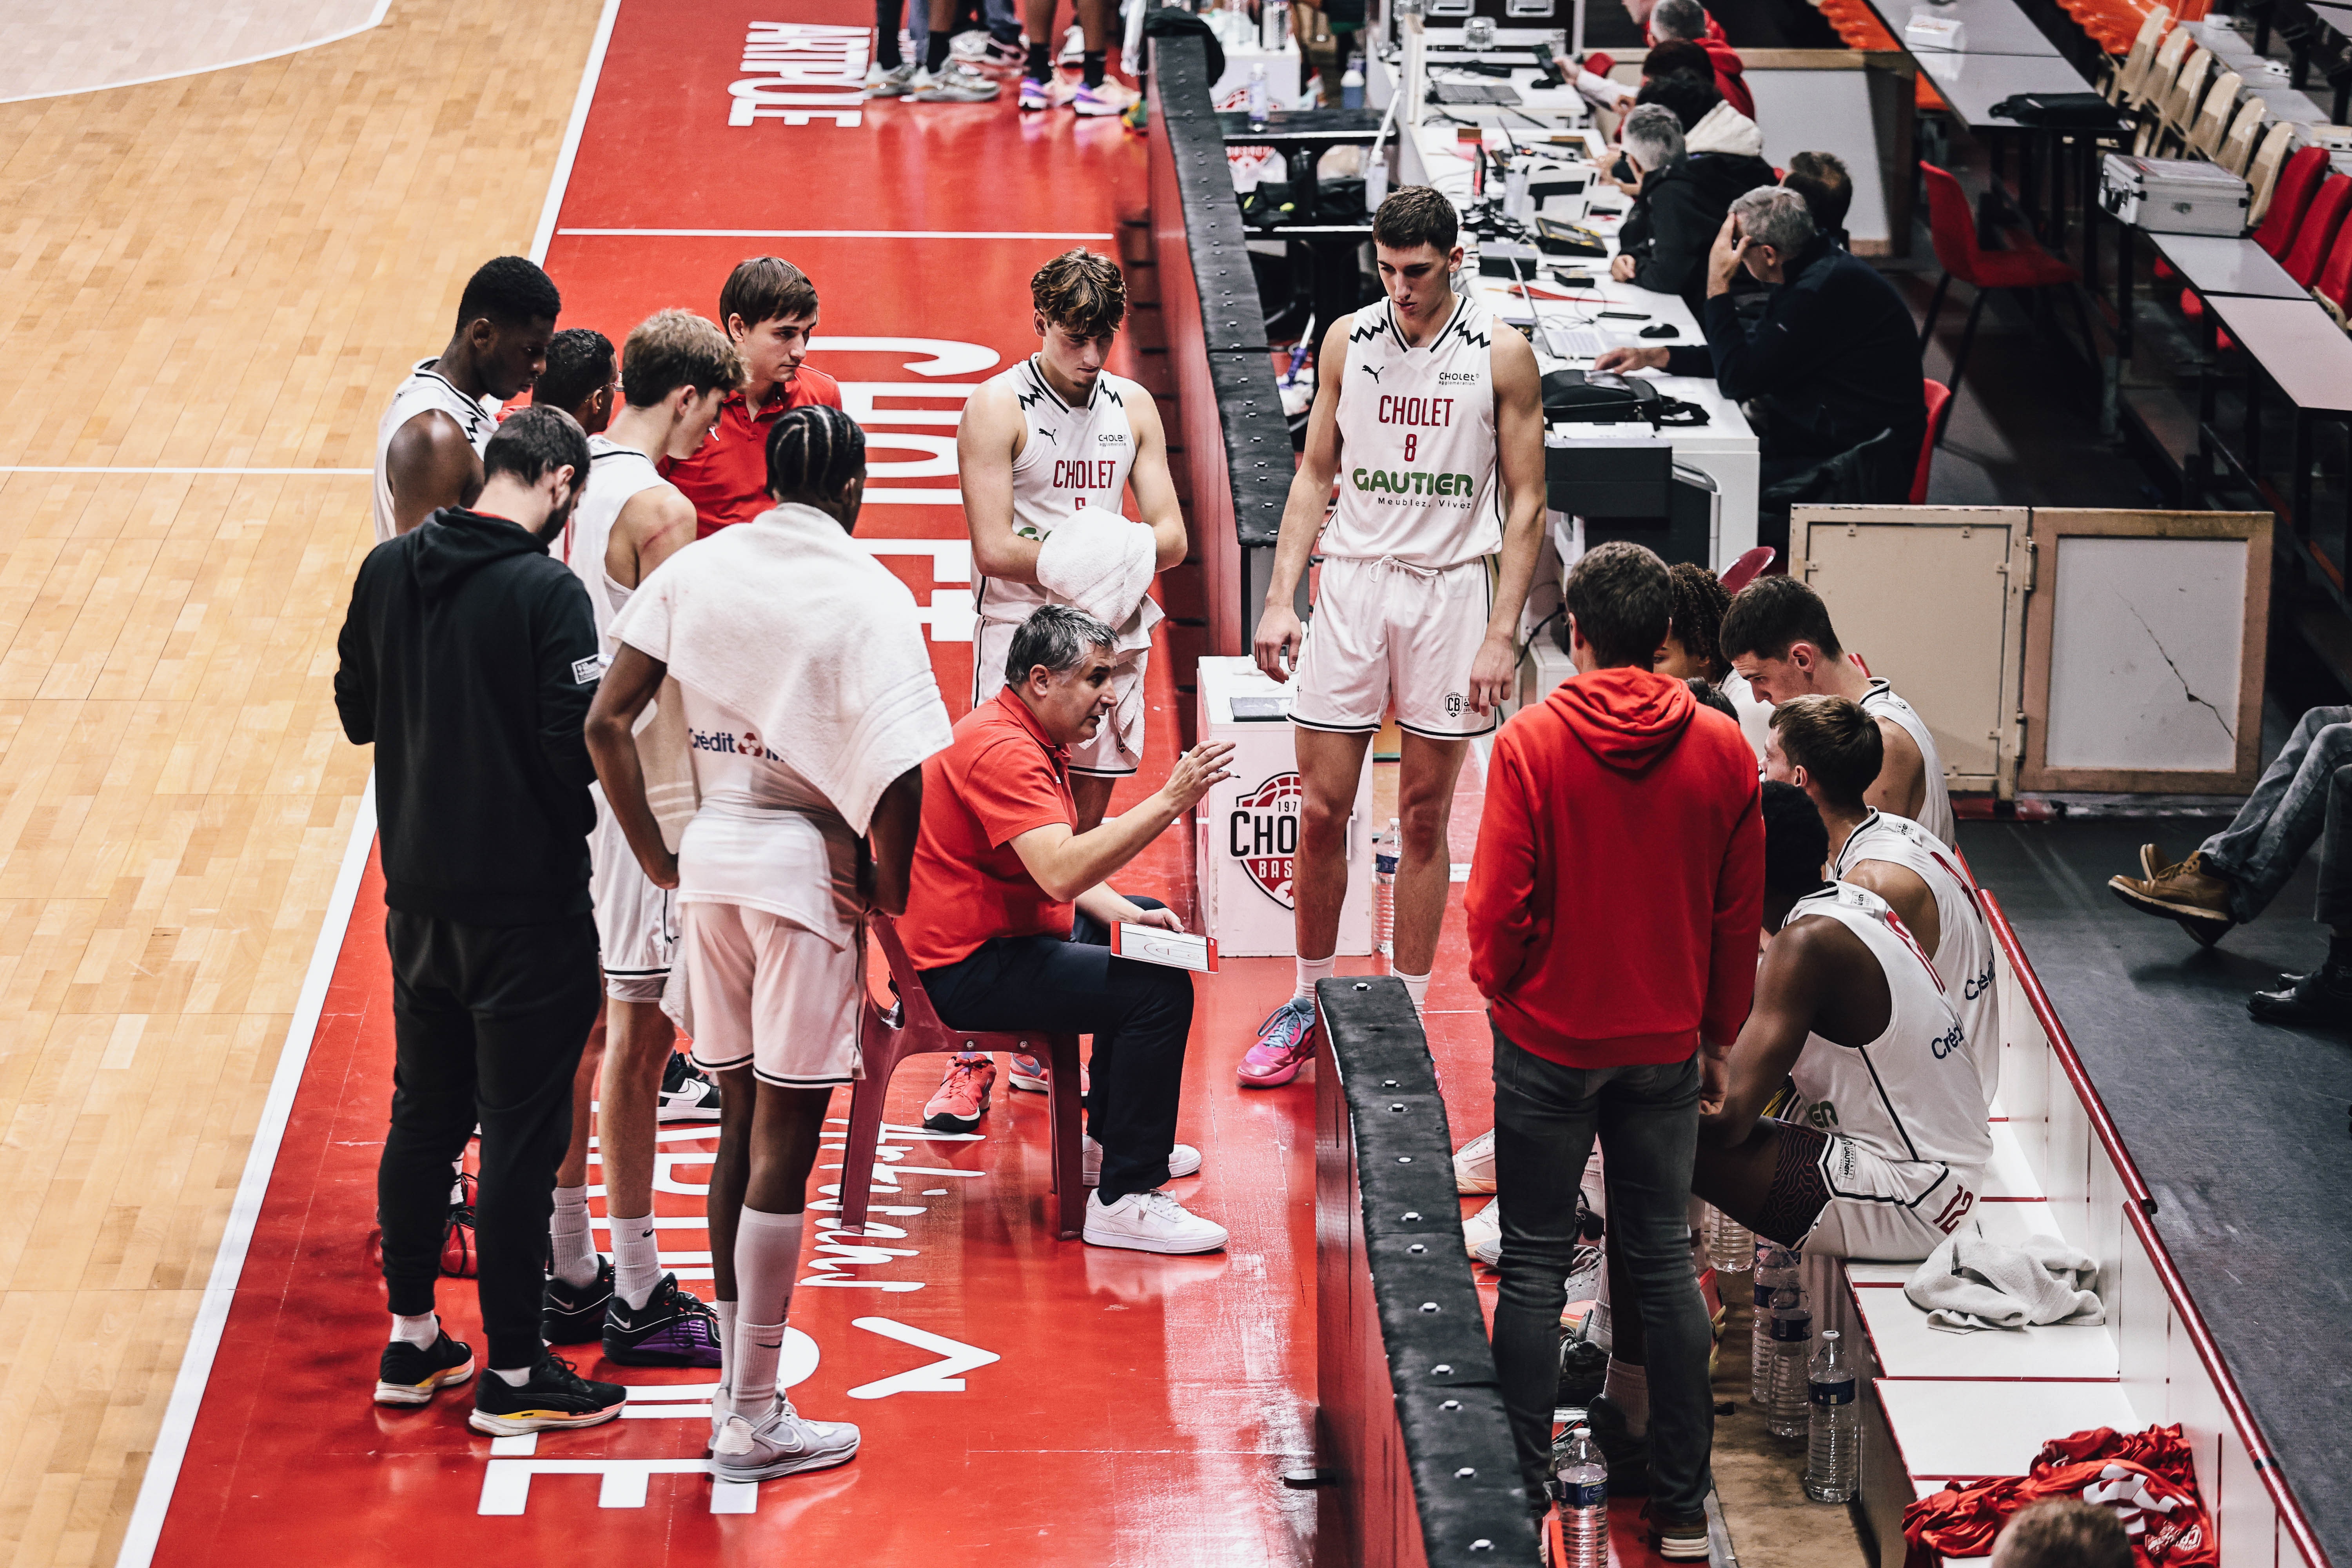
1473 1165
1482 1234
785 1444
1183 1161
1149 1222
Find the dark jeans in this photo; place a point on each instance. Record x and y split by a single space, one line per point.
1546 1116
491 1021
1139 1014
2305 794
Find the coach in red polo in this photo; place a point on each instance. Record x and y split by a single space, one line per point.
1009 914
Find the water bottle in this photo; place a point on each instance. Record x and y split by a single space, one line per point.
1730 1245
1792 1337
1776 1269
1833 1462
1581 1483
1351 88
1384 869
1257 105
1275 14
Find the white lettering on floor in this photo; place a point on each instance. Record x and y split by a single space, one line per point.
944 1375
800 73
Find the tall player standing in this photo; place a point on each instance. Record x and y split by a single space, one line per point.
1054 440
1430 421
428 446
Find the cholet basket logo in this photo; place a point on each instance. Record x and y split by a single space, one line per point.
1261 833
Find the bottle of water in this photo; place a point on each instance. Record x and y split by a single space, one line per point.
1834 1463
1257 101
1275 17
1351 88
1730 1245
1792 1337
1384 864
1776 1269
1581 1483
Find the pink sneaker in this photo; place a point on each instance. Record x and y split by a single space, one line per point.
1286 1042
961 1096
1030 1073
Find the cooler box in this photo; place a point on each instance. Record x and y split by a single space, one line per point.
2173 196
1248 826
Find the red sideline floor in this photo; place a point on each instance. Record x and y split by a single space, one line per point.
1023 1399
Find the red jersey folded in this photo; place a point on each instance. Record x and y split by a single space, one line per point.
2145 1476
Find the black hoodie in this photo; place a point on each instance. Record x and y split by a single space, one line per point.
1673 222
468 657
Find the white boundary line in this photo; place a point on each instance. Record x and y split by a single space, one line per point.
146 1526
102 468
828 234
375 19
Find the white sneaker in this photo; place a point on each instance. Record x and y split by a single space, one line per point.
1473 1165
1482 1232
1183 1161
782 1445
896 81
1149 1222
956 83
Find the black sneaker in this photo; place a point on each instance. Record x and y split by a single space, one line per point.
2321 999
575 1316
1677 1537
672 1329
1628 1456
553 1397
409 1373
687 1093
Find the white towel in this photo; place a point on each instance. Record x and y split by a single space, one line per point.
1103 563
1970 1282
787 621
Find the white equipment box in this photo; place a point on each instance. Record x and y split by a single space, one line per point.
2173 196
1249 825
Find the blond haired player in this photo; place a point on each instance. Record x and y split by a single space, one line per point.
1429 416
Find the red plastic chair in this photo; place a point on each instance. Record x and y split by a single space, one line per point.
2316 232
884 1042
2296 184
1954 228
1939 399
1751 564
2335 285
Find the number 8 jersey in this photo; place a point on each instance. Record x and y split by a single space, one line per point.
1417 442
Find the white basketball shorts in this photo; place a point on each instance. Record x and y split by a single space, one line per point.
1382 629
1116 749
767 993
637 922
1886 1211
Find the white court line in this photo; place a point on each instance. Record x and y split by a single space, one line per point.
827 234
146 1527
375 18
102 468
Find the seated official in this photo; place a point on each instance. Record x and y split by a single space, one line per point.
1677 78
1674 21
1886 1143
1822 179
1009 914
1832 362
1681 202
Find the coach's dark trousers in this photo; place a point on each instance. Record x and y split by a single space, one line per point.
490 1022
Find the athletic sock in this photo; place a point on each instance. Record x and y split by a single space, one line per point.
419 1332
724 1399
1415 986
1040 66
935 53
571 1255
515 1376
885 47
1311 970
767 1261
1093 67
636 1259
1628 1388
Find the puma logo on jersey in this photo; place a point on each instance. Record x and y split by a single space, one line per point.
1371 370
1044 434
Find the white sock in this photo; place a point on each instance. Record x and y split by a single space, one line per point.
572 1253
1628 1388
515 1377
767 1261
457 1181
636 1259
722 1402
1415 986
419 1332
1311 970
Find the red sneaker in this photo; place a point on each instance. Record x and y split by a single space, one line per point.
963 1095
1285 1043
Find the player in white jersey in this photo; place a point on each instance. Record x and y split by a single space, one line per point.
1428 416
1779 638
1886 1143
1831 748
428 446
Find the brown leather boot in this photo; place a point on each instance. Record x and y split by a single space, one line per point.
2199 899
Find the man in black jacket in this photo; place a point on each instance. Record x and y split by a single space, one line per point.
1664 240
468 659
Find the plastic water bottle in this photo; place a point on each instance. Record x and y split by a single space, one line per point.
1833 1462
1257 99
1384 869
1776 1269
1581 1483
1730 1245
1792 1337
1275 19
1351 88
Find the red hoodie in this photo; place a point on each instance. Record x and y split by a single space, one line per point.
1728 79
1619 879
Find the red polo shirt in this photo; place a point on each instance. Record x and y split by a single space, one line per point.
1002 777
727 481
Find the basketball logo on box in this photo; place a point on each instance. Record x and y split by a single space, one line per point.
1261 833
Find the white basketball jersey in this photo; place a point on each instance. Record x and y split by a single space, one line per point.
1963 939
424 389
616 475
1075 459
1417 442
1910 1096
1935 807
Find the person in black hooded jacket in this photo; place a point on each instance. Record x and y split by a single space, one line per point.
1663 242
468 659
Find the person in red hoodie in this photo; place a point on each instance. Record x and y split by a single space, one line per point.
1688 19
1614 904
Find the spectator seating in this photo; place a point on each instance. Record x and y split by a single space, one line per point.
2025 265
